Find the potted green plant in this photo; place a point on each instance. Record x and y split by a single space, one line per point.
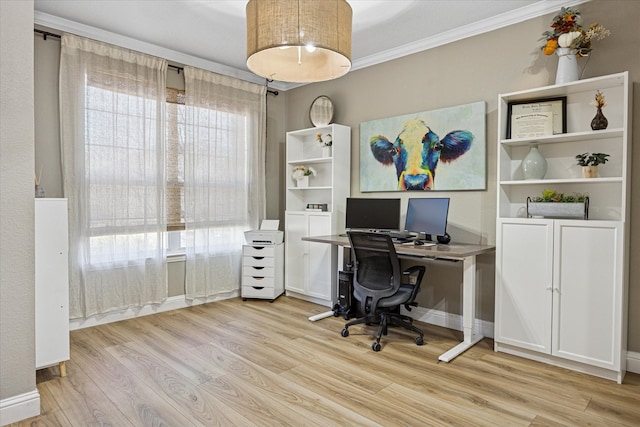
552 204
590 162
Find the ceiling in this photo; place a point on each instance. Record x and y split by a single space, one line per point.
214 31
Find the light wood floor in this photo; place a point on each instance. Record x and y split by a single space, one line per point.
255 363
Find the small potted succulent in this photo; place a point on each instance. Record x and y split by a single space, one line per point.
590 162
552 204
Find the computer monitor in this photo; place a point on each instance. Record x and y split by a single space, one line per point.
428 216
372 214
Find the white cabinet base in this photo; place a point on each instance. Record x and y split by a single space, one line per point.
608 374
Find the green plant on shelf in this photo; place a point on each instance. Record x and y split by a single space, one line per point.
552 196
592 159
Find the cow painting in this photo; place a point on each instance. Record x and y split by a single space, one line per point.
437 150
416 151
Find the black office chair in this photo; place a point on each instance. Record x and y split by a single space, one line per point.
380 286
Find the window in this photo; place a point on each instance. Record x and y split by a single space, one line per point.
176 121
119 130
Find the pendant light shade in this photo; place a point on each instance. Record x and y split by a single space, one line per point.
299 40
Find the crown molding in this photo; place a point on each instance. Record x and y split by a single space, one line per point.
499 21
65 25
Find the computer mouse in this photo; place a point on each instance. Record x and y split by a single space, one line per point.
418 242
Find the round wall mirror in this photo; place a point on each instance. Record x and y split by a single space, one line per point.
321 111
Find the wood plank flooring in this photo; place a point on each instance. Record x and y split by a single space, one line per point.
255 363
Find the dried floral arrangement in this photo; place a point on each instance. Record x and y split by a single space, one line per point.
599 101
567 32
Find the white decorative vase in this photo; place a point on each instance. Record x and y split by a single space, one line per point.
534 166
302 182
567 65
326 151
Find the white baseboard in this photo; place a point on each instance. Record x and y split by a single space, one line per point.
18 408
633 362
447 320
171 303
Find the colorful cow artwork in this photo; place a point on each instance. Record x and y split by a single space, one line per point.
405 153
416 152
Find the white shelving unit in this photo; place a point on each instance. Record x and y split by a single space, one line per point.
561 285
310 267
52 283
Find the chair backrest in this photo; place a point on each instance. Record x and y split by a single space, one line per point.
377 268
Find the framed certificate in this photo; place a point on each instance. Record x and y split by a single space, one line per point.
536 117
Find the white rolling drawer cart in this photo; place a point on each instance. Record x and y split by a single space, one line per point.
262 271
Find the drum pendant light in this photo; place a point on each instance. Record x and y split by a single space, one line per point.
299 41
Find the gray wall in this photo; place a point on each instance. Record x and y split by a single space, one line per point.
478 69
17 276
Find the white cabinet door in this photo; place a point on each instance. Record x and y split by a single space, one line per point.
52 282
524 262
587 292
320 269
295 251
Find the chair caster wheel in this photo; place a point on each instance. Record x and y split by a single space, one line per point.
344 332
376 346
419 341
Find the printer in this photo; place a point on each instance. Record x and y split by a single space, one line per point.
268 234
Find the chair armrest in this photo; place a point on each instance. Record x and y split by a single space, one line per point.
419 269
413 270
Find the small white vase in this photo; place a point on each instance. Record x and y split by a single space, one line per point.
326 151
567 65
534 166
302 182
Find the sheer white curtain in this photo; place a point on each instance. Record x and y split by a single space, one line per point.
112 135
224 177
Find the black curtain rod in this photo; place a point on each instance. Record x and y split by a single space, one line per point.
46 34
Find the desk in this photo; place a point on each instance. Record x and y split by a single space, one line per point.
458 252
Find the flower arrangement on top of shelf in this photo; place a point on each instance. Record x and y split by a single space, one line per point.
568 33
301 174
552 204
590 162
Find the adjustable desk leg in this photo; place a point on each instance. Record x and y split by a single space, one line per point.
471 336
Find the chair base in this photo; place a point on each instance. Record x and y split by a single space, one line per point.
384 320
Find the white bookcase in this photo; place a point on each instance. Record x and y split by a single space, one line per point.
310 270
52 283
561 285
